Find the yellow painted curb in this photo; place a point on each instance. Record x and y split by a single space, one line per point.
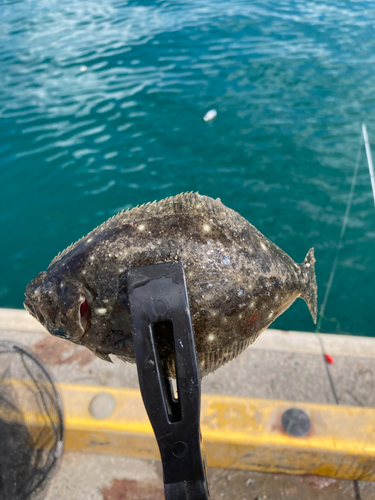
237 432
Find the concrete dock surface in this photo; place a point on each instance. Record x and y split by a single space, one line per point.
279 365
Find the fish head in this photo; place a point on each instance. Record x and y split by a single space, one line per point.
61 305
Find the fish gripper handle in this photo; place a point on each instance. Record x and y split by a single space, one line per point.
158 294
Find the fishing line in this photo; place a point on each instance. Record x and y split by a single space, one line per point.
327 293
335 396
329 287
340 244
369 158
334 267
332 275
324 304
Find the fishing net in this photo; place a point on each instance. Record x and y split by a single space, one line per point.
31 425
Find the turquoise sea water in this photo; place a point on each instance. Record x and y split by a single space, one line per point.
102 105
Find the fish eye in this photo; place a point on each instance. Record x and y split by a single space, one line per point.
60 333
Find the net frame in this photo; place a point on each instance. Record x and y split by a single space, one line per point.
38 452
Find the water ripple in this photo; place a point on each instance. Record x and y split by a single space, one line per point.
102 189
102 105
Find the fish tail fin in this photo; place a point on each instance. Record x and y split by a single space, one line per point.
310 291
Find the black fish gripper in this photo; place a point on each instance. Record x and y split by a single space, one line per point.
158 295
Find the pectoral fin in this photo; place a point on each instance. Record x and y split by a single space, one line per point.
103 355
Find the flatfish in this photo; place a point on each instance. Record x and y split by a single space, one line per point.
238 281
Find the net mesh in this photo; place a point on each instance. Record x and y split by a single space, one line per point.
31 425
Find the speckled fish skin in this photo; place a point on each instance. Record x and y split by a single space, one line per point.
238 281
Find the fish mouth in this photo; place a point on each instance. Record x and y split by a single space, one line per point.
29 306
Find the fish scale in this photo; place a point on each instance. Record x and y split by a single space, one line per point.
238 281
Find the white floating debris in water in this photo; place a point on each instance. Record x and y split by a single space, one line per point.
210 115
83 68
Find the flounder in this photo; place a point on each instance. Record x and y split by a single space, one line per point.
238 281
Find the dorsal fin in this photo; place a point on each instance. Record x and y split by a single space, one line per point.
174 204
